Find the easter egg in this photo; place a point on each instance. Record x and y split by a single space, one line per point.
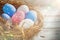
9 9
26 23
18 17
23 8
5 16
31 15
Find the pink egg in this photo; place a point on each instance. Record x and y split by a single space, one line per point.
18 17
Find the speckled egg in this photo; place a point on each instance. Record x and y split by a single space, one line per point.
26 23
23 8
18 17
5 16
9 9
31 15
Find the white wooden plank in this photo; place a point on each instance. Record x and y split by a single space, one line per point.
51 27
48 34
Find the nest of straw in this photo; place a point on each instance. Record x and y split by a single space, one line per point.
13 32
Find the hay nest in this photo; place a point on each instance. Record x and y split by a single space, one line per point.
13 32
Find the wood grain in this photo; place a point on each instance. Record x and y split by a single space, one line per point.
51 28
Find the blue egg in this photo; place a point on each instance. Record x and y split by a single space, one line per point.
31 15
9 9
5 16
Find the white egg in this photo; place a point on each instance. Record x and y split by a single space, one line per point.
26 23
23 8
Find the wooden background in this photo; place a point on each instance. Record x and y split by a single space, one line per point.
51 27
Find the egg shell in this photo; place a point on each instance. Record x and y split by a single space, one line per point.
18 17
5 16
9 9
23 8
26 23
31 15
